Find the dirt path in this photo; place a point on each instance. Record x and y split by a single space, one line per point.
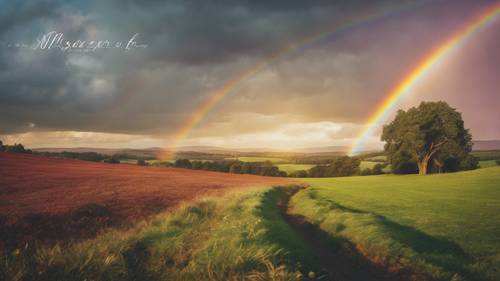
338 259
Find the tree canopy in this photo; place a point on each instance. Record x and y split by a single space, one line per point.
431 136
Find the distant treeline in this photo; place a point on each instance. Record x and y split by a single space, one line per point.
15 148
85 156
232 166
339 167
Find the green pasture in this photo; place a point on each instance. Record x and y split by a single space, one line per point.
443 226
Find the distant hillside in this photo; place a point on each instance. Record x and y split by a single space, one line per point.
486 145
146 152
153 151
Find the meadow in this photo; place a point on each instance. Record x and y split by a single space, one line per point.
290 168
274 160
443 227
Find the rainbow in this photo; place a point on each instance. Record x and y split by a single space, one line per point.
405 86
230 86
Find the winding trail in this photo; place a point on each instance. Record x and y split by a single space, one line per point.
338 259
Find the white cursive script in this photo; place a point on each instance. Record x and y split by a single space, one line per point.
56 40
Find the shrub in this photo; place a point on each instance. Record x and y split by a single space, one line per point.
16 148
299 174
340 167
378 169
111 161
235 168
183 163
196 165
366 172
141 162
498 162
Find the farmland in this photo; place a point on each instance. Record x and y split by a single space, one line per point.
197 225
35 190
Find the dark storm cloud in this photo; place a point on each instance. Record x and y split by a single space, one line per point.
15 13
193 47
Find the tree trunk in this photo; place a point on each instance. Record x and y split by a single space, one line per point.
422 166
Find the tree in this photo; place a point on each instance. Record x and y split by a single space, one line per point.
183 163
1 146
16 148
431 131
235 168
299 174
378 169
340 167
343 166
111 160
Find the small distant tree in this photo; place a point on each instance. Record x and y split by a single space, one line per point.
1 146
378 169
317 171
183 163
197 165
111 160
433 130
299 174
498 162
343 166
141 162
366 172
235 168
16 148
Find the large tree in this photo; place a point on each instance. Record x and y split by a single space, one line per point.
428 134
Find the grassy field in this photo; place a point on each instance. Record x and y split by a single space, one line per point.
435 227
487 154
239 237
445 227
487 163
159 162
367 164
290 168
260 159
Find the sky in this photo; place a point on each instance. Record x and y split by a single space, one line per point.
322 94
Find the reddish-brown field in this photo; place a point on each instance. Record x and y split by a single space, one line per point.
34 184
45 200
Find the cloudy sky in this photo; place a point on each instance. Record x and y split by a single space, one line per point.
319 94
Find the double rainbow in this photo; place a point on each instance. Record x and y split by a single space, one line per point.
230 86
383 111
405 86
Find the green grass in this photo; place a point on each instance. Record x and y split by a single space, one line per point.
238 237
380 158
128 161
487 154
446 227
159 162
259 159
488 163
367 165
290 168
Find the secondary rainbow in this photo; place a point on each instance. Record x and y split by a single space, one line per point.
218 95
405 86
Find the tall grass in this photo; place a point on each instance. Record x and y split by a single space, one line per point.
238 237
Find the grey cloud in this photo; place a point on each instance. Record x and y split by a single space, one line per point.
194 47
